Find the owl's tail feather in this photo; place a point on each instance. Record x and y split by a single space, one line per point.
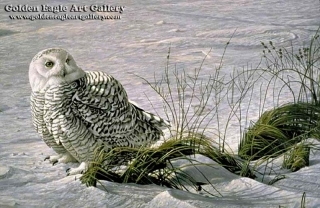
155 120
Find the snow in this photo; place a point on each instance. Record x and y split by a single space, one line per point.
138 44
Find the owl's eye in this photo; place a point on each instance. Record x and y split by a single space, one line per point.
49 64
67 61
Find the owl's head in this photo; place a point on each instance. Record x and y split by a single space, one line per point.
51 67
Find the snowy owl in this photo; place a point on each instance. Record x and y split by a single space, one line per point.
76 112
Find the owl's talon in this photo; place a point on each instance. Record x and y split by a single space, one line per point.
61 158
83 167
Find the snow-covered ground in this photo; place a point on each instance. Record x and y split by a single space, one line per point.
138 44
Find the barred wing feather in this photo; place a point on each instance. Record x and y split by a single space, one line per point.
94 111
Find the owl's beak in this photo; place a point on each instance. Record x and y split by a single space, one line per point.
63 72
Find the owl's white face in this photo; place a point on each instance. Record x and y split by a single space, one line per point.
52 67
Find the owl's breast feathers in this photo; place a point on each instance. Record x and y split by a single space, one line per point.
93 110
